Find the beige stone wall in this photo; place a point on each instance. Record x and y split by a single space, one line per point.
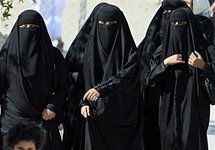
137 12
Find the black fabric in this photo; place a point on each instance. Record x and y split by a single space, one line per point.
74 122
206 27
115 123
155 34
34 75
184 109
107 32
76 50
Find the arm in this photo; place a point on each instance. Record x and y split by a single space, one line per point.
122 80
61 85
159 69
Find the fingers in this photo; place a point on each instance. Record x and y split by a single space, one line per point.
85 111
179 59
86 95
198 55
91 94
47 114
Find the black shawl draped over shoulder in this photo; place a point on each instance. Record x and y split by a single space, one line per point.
114 123
184 108
33 77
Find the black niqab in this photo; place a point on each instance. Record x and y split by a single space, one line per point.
29 42
74 56
107 32
154 35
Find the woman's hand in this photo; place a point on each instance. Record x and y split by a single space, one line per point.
196 60
91 95
47 114
174 59
85 111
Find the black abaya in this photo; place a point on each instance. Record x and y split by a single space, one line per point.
74 122
154 36
184 108
34 77
110 66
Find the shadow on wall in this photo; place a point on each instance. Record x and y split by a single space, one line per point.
211 129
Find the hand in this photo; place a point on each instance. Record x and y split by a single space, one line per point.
174 59
212 9
85 111
91 94
196 60
47 114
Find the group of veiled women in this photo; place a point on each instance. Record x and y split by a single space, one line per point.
109 94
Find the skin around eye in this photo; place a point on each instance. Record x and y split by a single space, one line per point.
179 23
107 22
26 26
167 11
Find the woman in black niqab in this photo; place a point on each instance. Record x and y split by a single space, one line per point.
73 120
31 83
178 65
110 82
152 40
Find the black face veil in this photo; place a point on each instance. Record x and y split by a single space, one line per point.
100 63
24 46
107 27
76 51
181 36
155 34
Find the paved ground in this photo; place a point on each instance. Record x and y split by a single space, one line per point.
211 130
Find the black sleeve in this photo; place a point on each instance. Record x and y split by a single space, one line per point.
209 69
157 69
121 81
61 82
2 73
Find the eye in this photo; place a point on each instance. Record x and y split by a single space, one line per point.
27 26
167 11
101 22
23 26
107 22
179 23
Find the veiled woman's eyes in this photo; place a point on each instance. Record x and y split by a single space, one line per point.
107 22
179 23
27 26
167 11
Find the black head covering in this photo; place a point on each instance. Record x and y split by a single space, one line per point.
155 33
98 66
172 4
25 45
182 35
177 42
75 53
107 32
